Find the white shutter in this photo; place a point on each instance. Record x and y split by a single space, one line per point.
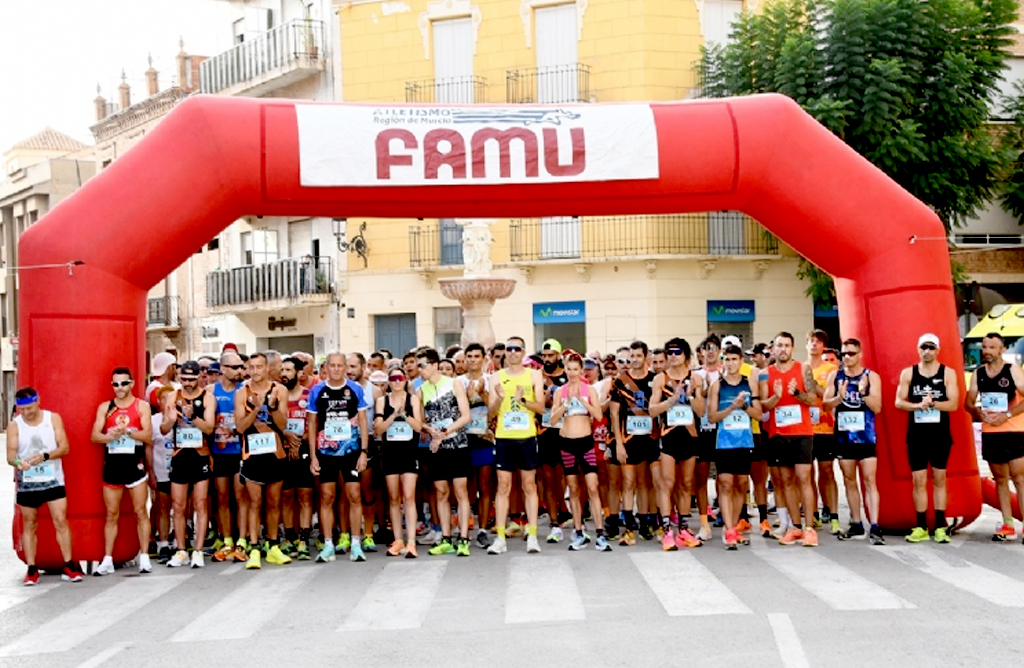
453 61
717 19
560 237
556 54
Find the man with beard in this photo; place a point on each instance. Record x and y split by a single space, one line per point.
549 439
298 480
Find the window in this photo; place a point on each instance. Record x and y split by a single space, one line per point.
259 246
726 233
238 31
717 19
556 54
447 327
560 237
214 244
453 61
451 241
988 240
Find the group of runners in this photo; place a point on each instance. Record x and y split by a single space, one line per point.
373 449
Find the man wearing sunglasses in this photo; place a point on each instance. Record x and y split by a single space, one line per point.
549 440
929 392
124 425
856 395
227 459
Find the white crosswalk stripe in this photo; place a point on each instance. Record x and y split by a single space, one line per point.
399 598
685 586
261 598
542 590
838 586
10 596
95 615
950 568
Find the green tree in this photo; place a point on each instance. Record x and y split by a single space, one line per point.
907 84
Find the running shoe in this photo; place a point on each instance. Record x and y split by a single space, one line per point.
482 540
428 537
834 528
628 538
287 547
302 551
668 543
443 547
646 533
766 529
31 577
1004 533
941 536
368 544
240 554
686 539
218 544
532 545
876 537
70 573
197 559
555 534
356 552
179 559
579 541
731 539
603 544
499 546
611 527
918 535
705 533
396 549
816 523
514 529
410 551
253 562
743 526
791 536
164 554
854 532
344 543
778 532
462 549
276 556
810 538
225 552
144 564
326 554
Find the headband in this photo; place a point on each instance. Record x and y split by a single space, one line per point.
25 401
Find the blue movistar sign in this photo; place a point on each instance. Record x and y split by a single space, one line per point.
730 311
555 312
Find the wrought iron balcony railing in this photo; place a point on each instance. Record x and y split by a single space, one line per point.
554 84
285 279
453 90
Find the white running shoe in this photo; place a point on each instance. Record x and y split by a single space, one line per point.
499 546
532 546
705 533
106 567
179 559
144 565
555 535
197 559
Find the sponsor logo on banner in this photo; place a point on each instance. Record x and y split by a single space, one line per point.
382 146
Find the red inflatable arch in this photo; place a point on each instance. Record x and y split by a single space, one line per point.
215 159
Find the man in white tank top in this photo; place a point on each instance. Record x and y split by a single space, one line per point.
35 444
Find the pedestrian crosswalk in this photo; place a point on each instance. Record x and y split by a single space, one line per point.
223 603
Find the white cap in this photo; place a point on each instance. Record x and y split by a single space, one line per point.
928 338
161 361
731 341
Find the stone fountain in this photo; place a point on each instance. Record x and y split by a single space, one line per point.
477 290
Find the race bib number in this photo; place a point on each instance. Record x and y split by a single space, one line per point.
478 421
576 407
787 416
680 416
736 421
441 425
43 472
639 425
338 430
927 416
994 402
545 421
852 421
815 415
295 426
123 445
262 444
225 431
516 421
399 431
168 458
188 437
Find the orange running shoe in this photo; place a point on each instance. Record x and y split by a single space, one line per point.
686 539
766 529
743 526
396 548
410 551
810 537
792 536
1004 533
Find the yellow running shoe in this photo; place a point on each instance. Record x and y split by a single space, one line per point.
941 536
277 557
254 561
919 535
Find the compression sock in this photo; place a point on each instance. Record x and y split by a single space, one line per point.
762 512
922 520
940 519
630 521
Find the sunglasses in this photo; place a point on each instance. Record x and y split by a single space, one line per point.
927 346
621 361
396 379
850 353
123 383
423 365
514 349
236 367
189 379
674 351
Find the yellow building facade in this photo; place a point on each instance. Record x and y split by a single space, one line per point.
594 282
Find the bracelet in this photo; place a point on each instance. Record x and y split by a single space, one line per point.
17 463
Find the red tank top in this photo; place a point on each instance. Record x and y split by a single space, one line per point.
795 416
297 413
123 417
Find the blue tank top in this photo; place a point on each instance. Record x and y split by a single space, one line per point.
855 422
225 439
734 432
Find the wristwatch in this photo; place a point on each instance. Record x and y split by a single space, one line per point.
1009 415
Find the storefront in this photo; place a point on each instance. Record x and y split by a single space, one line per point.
565 321
732 317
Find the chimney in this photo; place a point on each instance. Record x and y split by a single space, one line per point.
183 66
126 92
152 85
101 105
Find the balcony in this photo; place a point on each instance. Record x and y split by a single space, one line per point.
554 84
433 245
275 59
163 313
298 281
712 234
454 90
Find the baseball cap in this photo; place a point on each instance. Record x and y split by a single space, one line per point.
190 369
758 349
590 363
378 377
928 338
161 361
731 341
552 344
213 368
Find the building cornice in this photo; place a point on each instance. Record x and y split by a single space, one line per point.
151 108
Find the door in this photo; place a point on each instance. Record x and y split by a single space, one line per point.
396 333
560 237
453 61
286 345
451 241
726 233
556 54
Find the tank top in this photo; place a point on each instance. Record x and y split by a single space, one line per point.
337 414
262 437
855 422
634 398
680 416
367 389
789 417
441 409
226 441
184 434
998 395
515 420
297 415
709 376
400 431
129 417
163 450
734 431
33 441
477 409
821 419
931 426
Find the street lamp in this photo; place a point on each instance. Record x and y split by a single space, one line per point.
358 244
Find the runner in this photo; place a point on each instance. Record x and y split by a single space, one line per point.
194 421
577 402
659 360
356 369
549 440
337 424
298 479
1000 385
496 358
227 459
672 397
733 402
632 424
480 436
159 452
612 473
709 372
824 443
165 367
856 395
445 416
36 442
261 415
928 390
397 419
759 468
124 425
516 395
783 393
